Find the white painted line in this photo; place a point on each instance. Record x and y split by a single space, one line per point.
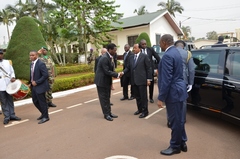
16 123
76 105
121 157
91 100
56 111
117 93
149 116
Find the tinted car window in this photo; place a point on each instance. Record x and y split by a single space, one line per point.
233 64
206 61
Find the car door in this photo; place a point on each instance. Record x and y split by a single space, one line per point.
231 84
207 89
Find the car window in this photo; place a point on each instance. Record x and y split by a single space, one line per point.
206 61
233 64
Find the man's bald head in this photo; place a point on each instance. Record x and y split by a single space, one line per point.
103 51
166 41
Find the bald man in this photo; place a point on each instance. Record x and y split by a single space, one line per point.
172 91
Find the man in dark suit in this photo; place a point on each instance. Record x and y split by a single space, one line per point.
172 91
141 76
39 85
103 80
151 53
103 51
220 42
125 80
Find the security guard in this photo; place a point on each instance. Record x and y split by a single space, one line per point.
51 73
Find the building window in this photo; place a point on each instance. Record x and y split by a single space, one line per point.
158 36
132 39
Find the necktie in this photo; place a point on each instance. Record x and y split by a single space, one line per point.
125 55
32 70
143 50
135 60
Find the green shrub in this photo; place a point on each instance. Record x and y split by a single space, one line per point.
144 36
74 69
73 82
26 37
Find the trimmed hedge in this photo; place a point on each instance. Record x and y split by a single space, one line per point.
74 69
73 82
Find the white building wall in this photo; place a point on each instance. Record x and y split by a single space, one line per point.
121 37
161 26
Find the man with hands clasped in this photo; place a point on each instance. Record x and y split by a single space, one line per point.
141 77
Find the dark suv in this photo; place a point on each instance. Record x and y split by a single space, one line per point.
217 82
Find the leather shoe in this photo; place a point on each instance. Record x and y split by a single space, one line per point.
143 115
6 121
124 98
50 104
39 118
113 116
15 118
151 101
131 98
184 147
108 117
170 151
43 120
111 104
137 112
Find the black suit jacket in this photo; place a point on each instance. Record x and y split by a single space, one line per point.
151 53
127 60
96 63
40 76
141 71
104 72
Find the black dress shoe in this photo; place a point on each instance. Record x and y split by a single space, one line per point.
50 104
15 118
184 147
43 120
6 121
111 104
108 117
113 116
131 98
39 118
124 98
151 101
143 115
137 112
170 151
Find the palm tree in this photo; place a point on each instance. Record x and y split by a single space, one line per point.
141 10
172 6
6 19
186 31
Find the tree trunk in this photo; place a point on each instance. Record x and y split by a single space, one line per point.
39 9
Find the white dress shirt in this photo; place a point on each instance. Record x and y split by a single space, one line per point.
4 80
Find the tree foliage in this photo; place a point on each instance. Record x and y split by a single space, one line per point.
24 39
186 31
172 6
212 35
144 36
141 10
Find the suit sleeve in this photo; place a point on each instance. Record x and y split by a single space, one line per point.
105 64
166 75
44 73
155 55
191 71
148 68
